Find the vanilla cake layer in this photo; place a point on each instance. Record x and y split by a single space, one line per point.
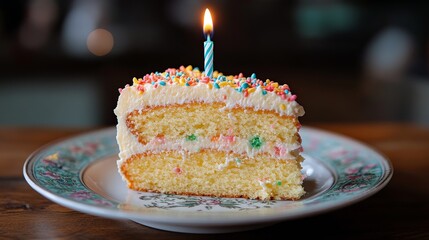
212 172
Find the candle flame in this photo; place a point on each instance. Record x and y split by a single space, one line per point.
208 22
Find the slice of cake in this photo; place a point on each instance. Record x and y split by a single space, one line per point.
180 132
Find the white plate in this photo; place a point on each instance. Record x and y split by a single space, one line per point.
80 173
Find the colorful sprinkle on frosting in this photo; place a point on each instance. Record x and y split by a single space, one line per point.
191 137
256 142
189 76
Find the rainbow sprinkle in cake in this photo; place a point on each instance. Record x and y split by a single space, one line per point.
180 132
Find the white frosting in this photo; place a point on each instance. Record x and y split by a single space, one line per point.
130 98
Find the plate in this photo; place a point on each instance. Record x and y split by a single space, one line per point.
80 173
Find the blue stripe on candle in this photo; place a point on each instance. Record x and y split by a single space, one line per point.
209 66
208 46
208 51
208 58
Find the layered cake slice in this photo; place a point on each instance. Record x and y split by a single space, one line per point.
180 132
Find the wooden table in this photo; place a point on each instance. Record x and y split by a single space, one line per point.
400 210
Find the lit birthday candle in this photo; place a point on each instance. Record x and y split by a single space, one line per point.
208 44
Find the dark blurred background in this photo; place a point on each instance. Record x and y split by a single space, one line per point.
61 62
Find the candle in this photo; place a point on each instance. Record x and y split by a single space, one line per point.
208 44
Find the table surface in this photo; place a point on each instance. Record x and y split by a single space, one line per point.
400 210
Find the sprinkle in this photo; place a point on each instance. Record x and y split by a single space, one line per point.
278 183
251 90
214 139
264 92
279 151
228 139
135 81
245 85
177 170
246 93
205 80
140 88
282 107
256 142
253 76
292 98
223 84
160 139
162 83
216 85
191 137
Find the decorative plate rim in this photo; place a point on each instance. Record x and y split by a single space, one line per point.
106 208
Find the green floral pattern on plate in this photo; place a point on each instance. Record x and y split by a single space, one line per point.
59 168
197 203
